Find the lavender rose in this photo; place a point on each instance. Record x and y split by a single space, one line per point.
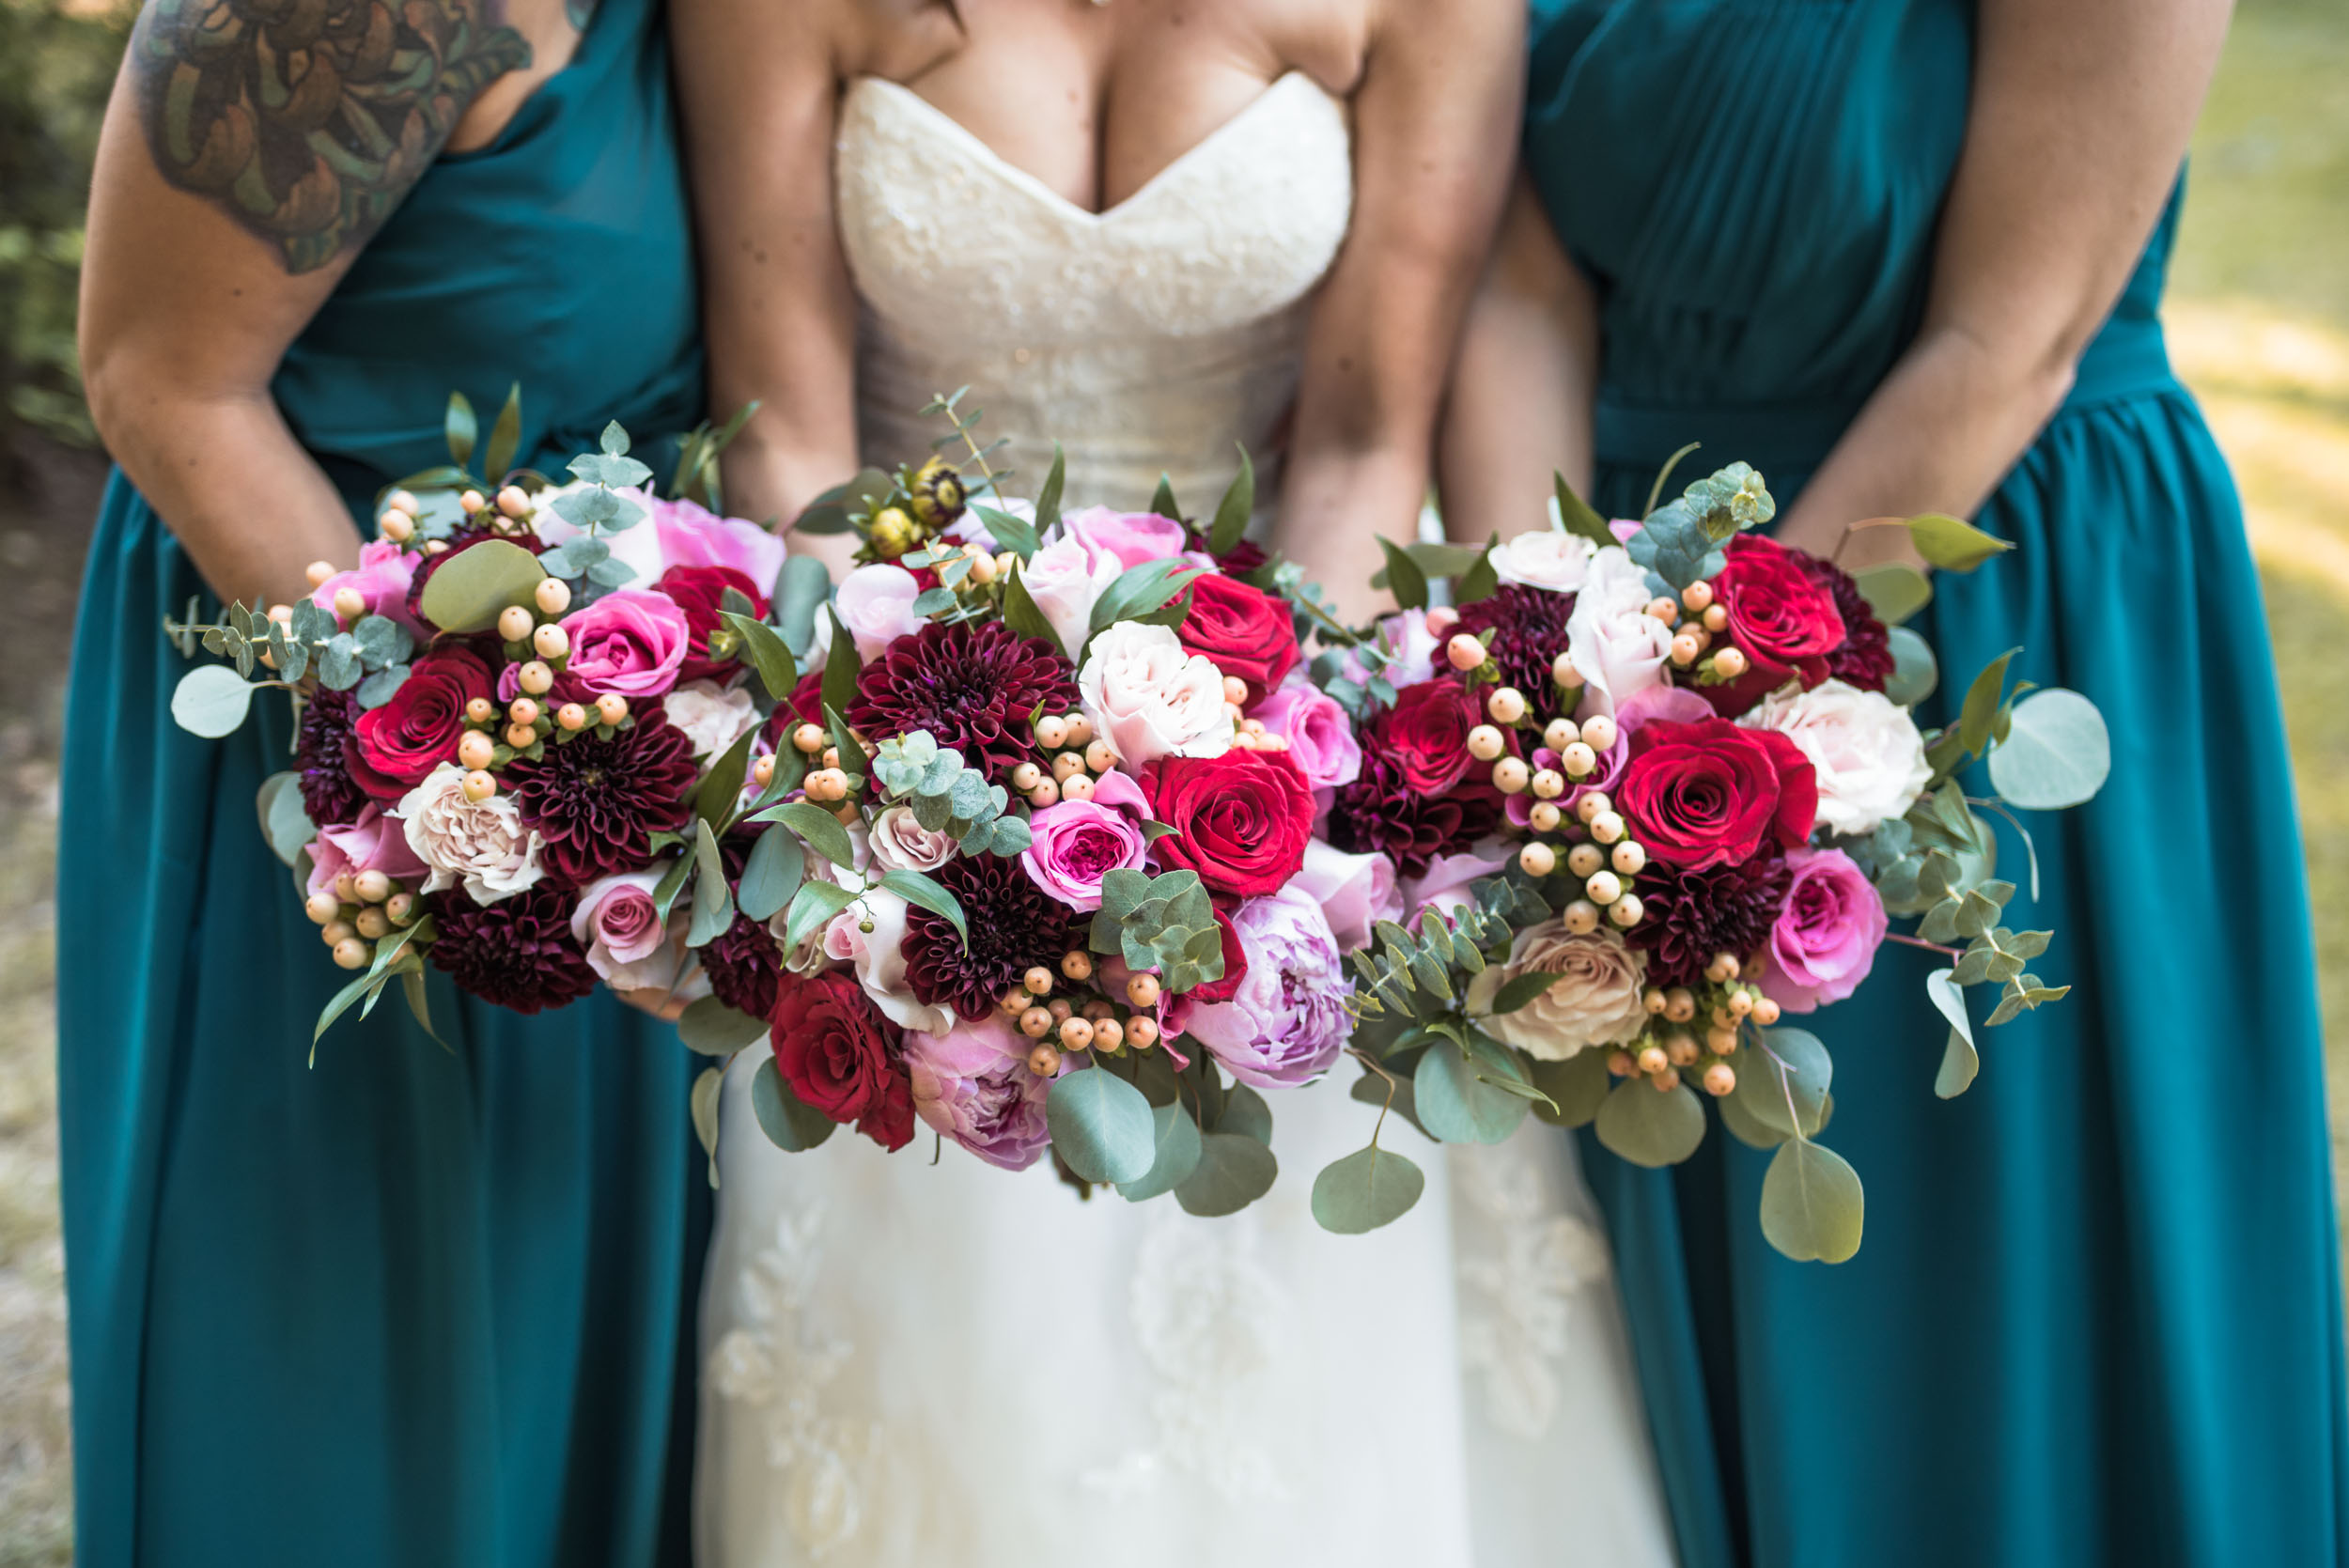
692 535
1828 932
382 580
1594 1001
629 642
1077 842
619 926
1287 1021
1319 734
972 1084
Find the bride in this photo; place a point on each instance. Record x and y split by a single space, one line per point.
1154 230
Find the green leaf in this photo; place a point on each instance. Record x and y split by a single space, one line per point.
418 997
811 906
1520 992
1177 1143
1893 591
801 589
1915 671
710 1028
1811 1204
505 436
822 831
1245 1115
1577 1087
1808 1073
789 1122
1651 1127
339 1003
776 867
915 887
1232 1173
1952 544
284 822
1576 516
704 1103
377 689
840 670
1454 1103
1481 581
1981 703
1368 1188
1101 1125
1140 589
2057 751
770 655
1744 1128
721 786
1233 512
1163 500
1022 614
1047 499
459 425
1404 575
1010 531
713 904
210 700
466 593
1959 1059
664 893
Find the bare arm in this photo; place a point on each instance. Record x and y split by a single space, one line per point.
2081 113
217 229
1434 122
1519 408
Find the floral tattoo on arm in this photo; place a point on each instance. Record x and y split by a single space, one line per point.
307 120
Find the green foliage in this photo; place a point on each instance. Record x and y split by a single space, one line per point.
710 1028
1959 1059
948 796
1404 575
1577 1087
468 592
284 822
1894 591
789 1122
1234 1171
1165 922
2055 752
1176 1141
1368 1188
772 874
1231 513
211 701
713 904
1576 516
1811 1204
1460 1097
1916 671
1651 1127
1953 544
1101 1126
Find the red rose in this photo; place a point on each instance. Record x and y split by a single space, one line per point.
1426 734
1241 630
840 1055
697 591
1709 793
399 743
1240 820
1781 617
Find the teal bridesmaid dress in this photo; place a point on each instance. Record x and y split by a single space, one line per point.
413 1306
2095 1318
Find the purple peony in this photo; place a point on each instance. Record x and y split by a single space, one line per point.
1287 1021
972 1084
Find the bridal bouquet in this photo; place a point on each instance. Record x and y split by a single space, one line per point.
1653 788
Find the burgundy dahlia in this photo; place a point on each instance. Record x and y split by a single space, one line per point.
1381 811
743 962
970 686
1865 660
1529 627
328 793
1691 915
1015 925
517 953
597 803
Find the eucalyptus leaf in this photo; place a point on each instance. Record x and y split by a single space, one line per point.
1959 1059
1577 1087
1368 1188
770 876
284 821
1808 1070
467 592
1455 1105
1177 1143
710 1028
211 701
1915 671
1895 592
1743 1126
789 1122
379 688
1233 1173
1811 1204
801 589
1650 1126
1245 1115
2057 751
1101 1125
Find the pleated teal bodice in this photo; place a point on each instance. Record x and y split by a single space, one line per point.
2096 1317
414 1306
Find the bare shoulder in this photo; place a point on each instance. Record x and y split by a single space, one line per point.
306 123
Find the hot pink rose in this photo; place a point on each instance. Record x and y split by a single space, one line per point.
1077 842
619 926
383 578
690 535
1320 736
1828 932
1133 538
374 842
631 642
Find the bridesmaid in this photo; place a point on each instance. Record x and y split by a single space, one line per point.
413 1306
1906 256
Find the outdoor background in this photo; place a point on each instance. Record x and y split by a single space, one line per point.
2259 325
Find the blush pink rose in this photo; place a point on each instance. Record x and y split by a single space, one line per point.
374 842
631 642
875 604
692 536
1077 842
1828 932
1133 538
383 577
619 925
1319 734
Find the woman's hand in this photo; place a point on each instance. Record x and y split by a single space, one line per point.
662 1004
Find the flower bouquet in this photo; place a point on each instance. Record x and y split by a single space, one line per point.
1653 787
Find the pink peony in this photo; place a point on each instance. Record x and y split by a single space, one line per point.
1287 1022
690 535
374 842
1828 932
1077 842
972 1084
384 575
1320 736
1133 538
631 642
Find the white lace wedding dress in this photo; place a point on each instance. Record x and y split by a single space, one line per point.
945 1365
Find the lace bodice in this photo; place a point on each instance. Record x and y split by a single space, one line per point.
1150 337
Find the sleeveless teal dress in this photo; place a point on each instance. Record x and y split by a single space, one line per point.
415 1306
2097 1316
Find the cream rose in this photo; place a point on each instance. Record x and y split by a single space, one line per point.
901 843
878 956
1550 558
1595 1000
1065 578
1864 747
712 719
1619 647
481 843
1149 697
